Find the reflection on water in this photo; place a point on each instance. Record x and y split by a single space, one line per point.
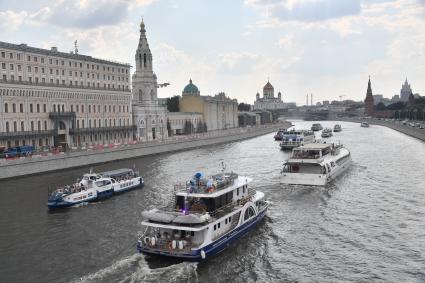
366 226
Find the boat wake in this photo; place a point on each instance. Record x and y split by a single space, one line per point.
136 269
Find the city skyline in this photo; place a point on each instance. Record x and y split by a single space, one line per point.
322 47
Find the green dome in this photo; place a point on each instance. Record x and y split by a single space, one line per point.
191 88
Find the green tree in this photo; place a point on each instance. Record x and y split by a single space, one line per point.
173 103
244 107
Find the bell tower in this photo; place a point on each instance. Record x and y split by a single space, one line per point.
144 79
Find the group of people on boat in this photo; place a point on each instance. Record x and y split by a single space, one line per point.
71 189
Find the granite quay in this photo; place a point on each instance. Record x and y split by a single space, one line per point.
406 129
64 160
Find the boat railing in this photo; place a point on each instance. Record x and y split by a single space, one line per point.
166 244
202 186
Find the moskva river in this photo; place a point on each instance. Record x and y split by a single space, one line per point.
366 226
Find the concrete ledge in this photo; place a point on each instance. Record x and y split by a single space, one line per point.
407 130
36 165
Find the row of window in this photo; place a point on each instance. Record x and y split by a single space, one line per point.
52 61
243 190
97 123
22 128
75 94
61 108
43 80
51 71
226 220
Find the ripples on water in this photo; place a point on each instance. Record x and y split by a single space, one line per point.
366 226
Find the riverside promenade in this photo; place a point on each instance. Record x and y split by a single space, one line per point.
39 164
395 125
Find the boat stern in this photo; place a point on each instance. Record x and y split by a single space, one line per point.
303 179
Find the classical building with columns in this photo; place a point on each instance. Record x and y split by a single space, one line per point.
53 98
148 115
269 101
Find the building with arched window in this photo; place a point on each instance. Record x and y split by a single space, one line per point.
61 91
148 115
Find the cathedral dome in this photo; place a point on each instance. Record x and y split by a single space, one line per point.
191 88
268 86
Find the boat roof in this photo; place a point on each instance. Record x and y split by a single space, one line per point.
314 146
117 172
238 182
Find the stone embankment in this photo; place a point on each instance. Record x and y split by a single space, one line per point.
397 126
41 164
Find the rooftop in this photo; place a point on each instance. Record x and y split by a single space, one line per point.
53 52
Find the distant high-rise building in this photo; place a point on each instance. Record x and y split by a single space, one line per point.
405 91
369 100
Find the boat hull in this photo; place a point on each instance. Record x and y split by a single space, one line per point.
313 179
211 249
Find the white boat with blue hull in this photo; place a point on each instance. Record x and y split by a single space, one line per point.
95 187
208 215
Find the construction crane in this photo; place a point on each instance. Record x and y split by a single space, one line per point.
162 85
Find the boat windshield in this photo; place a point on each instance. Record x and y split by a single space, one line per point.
305 168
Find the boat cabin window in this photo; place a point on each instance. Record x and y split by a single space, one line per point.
103 183
303 168
237 191
249 213
306 154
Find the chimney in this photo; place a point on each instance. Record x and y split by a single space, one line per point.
54 49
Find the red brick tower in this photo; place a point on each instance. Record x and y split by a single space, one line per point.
368 102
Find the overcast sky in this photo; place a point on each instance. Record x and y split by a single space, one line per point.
324 47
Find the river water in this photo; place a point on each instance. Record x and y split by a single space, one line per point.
366 226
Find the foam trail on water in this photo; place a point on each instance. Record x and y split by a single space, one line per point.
135 269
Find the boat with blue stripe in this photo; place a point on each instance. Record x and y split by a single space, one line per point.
209 214
95 187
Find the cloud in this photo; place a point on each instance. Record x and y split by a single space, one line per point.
11 21
307 10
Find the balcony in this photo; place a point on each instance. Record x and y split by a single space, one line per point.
101 130
27 134
62 115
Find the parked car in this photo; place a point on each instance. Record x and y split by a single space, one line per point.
18 151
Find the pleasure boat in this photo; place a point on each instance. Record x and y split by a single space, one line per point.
279 135
95 187
295 138
327 133
316 127
337 128
364 125
208 214
315 164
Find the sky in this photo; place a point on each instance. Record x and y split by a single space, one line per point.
324 47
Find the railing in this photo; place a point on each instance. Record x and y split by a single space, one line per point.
62 115
22 134
100 130
62 85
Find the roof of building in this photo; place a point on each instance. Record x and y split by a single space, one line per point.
54 52
268 86
191 88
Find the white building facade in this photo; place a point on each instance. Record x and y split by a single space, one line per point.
268 101
52 98
149 117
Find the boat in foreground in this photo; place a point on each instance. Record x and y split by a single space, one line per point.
95 187
364 125
208 215
315 164
295 138
327 133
